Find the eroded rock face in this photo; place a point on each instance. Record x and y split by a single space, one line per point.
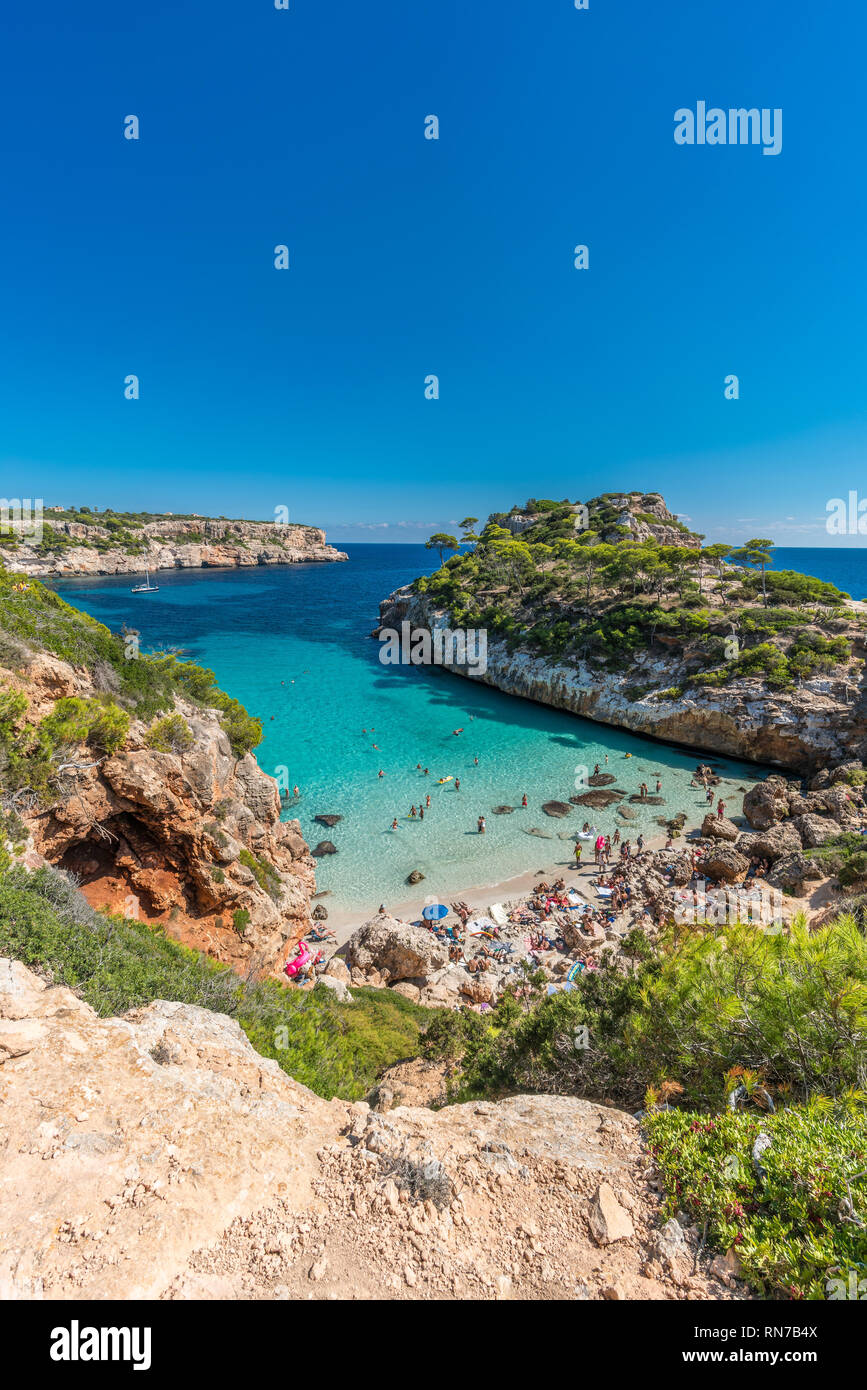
240 544
158 1156
395 951
820 722
165 836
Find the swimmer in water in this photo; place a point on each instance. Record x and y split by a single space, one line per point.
394 823
426 771
380 773
412 814
295 792
457 784
427 800
421 813
524 800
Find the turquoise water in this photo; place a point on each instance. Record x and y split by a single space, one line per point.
309 626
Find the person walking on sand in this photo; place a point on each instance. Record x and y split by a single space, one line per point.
482 826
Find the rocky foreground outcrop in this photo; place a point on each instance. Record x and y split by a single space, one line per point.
818 723
87 549
191 839
158 1156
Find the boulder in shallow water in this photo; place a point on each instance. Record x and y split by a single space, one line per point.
542 834
324 847
647 800
320 913
597 799
415 877
503 810
601 779
625 813
558 809
328 820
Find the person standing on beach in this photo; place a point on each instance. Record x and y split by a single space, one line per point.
578 848
721 810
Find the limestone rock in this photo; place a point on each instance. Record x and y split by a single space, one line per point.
724 864
719 828
607 1219
395 950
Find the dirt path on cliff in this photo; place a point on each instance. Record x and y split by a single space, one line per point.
158 1156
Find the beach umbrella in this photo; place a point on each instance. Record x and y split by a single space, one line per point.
434 912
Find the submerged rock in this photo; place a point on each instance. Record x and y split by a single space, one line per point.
503 810
558 809
329 820
324 847
599 800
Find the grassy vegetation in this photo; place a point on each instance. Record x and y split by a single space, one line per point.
115 965
129 684
789 1223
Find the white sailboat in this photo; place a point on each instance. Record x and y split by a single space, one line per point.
147 587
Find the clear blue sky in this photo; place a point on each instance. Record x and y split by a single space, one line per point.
408 257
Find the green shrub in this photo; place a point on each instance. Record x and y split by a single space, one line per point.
170 735
240 920
116 965
795 1227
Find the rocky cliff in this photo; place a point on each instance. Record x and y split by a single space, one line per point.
191 839
71 547
821 722
158 1156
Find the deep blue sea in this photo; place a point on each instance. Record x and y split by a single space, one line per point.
293 644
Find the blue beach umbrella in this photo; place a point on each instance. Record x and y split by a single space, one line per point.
434 912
